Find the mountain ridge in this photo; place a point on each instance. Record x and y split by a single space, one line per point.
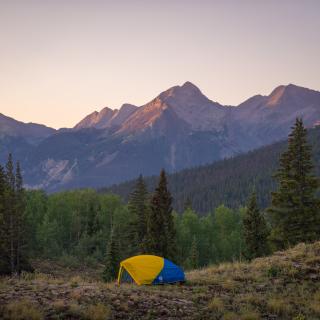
179 128
201 113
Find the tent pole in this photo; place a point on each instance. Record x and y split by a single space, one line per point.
119 275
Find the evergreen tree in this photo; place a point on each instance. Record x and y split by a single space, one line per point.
112 259
11 213
138 208
4 240
161 229
194 254
294 211
255 230
188 204
13 224
20 224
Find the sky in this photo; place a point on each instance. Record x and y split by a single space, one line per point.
63 59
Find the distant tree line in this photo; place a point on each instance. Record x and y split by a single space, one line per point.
229 182
83 226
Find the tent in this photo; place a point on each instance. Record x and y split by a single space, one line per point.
148 269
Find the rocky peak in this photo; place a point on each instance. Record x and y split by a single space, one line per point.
186 91
276 95
293 95
95 119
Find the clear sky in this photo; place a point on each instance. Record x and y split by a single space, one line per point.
62 59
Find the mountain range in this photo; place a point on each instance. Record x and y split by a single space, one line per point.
180 128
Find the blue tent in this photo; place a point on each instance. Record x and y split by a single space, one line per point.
169 274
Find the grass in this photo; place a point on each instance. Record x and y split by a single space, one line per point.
282 286
98 312
22 310
279 306
216 305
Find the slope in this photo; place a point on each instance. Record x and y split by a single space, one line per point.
228 181
20 138
282 286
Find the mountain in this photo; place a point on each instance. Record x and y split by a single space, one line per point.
228 181
189 105
268 118
107 118
20 138
178 129
32 132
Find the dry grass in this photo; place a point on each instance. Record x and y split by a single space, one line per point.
282 286
315 303
250 315
230 316
98 312
59 305
216 304
279 306
22 310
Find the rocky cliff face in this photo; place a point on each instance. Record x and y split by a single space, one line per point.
107 118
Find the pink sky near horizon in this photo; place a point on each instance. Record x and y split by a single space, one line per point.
61 60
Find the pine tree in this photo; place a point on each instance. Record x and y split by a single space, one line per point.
112 259
20 227
187 204
11 212
194 254
13 224
161 229
255 230
294 211
4 240
139 209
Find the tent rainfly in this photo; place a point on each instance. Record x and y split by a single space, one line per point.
148 269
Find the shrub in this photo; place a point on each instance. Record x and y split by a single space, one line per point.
274 271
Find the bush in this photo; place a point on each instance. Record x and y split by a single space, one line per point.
274 271
69 261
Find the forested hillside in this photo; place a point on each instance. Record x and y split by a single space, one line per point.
227 182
